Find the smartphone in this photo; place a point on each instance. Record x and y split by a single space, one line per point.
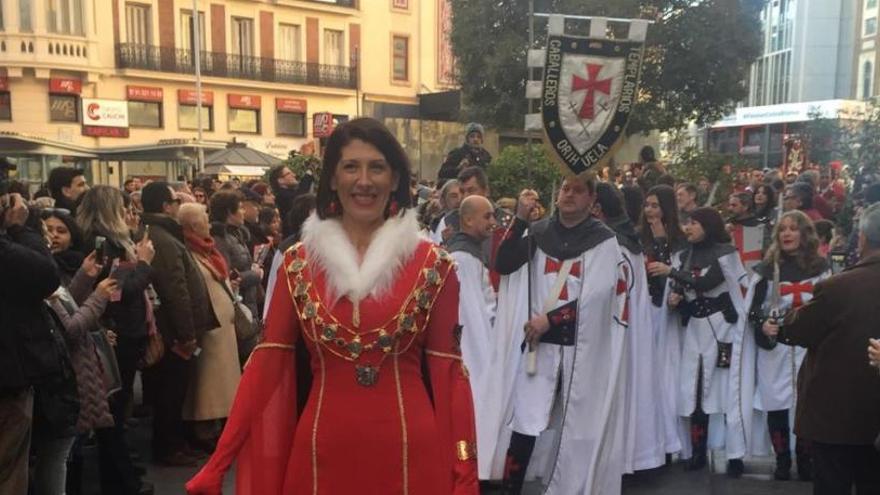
838 261
99 248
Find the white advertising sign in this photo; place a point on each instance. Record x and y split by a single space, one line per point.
105 113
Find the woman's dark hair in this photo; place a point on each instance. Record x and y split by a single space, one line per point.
223 204
76 237
267 214
824 229
608 197
765 210
669 217
646 154
300 210
372 132
712 223
633 199
274 175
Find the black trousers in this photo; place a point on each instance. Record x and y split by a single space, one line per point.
170 379
837 468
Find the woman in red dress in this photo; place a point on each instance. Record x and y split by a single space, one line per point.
370 311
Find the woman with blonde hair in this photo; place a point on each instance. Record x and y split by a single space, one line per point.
795 248
101 216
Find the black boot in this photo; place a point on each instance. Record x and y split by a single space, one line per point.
783 467
735 468
804 460
518 455
699 435
777 423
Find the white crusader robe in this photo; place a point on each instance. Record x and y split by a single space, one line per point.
476 315
582 450
776 368
645 429
668 338
725 391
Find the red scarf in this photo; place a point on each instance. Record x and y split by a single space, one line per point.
203 248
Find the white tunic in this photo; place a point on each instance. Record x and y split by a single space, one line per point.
577 397
476 315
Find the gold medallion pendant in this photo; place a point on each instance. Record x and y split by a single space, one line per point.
367 375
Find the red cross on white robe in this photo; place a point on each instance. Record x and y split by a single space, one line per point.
553 266
591 84
796 289
750 255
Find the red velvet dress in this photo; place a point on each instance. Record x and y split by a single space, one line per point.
389 409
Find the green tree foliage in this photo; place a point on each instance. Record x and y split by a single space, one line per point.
697 56
520 167
693 164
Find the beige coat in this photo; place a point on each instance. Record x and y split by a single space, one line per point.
217 372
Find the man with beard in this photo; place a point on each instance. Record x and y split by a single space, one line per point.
563 288
476 316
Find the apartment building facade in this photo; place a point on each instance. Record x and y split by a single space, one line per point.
110 84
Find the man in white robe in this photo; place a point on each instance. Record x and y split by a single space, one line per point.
476 315
561 286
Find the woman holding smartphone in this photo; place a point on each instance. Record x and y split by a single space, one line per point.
101 216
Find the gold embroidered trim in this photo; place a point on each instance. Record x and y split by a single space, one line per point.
404 438
268 345
465 450
443 354
317 417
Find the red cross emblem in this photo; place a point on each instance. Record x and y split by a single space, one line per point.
591 84
553 266
796 289
747 257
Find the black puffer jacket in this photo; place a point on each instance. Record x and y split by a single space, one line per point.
28 352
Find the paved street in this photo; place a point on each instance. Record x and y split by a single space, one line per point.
671 480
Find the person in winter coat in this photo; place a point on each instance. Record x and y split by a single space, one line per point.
227 220
102 218
470 154
287 187
183 316
28 355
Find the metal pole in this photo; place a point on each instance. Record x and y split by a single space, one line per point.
197 48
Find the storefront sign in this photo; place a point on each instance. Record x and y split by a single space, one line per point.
188 97
294 105
144 93
104 113
244 101
65 86
96 131
322 124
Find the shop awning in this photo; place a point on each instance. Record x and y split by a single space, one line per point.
236 170
239 154
15 144
164 150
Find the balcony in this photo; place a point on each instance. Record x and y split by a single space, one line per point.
181 61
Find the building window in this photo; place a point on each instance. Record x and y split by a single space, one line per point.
289 37
290 124
65 17
244 120
871 4
400 58
242 37
137 23
5 106
187 120
24 16
144 114
63 108
867 79
334 48
400 4
188 41
1 15
870 26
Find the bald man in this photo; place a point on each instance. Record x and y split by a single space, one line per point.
476 315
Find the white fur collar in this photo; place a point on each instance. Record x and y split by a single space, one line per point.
328 246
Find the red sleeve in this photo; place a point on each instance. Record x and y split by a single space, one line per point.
260 428
453 403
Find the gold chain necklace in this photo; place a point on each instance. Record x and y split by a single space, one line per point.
328 332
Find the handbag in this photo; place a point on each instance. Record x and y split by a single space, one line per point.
155 345
107 360
246 326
